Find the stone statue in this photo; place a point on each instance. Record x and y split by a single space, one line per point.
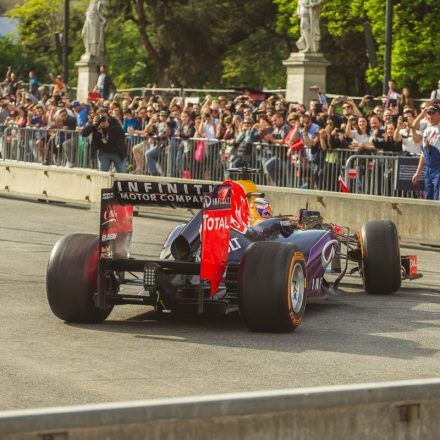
93 30
308 11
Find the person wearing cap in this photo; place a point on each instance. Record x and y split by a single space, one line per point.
81 113
430 157
108 140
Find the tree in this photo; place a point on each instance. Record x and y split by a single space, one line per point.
415 57
188 39
342 41
13 53
40 21
415 54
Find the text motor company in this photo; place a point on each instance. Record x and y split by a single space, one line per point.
180 193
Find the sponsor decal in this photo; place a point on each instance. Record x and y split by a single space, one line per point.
240 211
106 252
328 253
234 245
115 228
215 235
212 223
111 234
189 195
316 283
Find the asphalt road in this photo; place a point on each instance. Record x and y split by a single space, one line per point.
136 355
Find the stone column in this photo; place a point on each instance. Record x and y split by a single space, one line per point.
87 76
303 71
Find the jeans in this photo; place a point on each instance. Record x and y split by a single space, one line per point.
174 168
152 156
432 183
106 159
279 170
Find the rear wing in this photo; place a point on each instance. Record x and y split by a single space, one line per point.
116 219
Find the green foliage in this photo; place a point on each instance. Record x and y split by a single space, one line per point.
256 62
416 42
14 53
128 60
39 21
415 55
189 40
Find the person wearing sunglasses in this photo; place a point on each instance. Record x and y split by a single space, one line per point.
349 109
430 157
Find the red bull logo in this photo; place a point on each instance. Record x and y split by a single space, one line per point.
240 212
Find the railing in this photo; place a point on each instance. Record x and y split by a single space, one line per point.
46 146
199 158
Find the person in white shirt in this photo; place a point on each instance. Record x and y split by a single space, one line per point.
361 135
410 137
435 94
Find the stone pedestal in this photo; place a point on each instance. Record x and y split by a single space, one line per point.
87 76
303 71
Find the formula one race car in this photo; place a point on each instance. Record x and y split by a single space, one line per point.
232 255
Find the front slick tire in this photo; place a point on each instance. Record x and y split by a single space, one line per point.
72 279
380 257
272 287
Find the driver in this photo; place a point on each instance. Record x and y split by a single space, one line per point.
261 210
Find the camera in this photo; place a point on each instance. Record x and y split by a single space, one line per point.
370 97
405 118
102 119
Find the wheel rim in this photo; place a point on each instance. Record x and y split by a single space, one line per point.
297 287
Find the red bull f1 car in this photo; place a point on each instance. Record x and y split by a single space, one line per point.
233 255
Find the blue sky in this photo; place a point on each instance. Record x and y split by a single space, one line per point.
8 25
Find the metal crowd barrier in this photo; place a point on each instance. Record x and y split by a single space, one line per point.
374 175
46 146
206 159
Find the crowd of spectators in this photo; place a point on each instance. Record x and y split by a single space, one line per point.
240 127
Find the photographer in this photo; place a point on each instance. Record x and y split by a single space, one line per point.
348 109
331 139
244 144
406 133
385 142
108 140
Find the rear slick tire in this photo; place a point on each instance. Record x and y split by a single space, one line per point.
272 287
381 265
72 279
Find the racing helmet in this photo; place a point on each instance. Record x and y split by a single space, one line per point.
261 209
